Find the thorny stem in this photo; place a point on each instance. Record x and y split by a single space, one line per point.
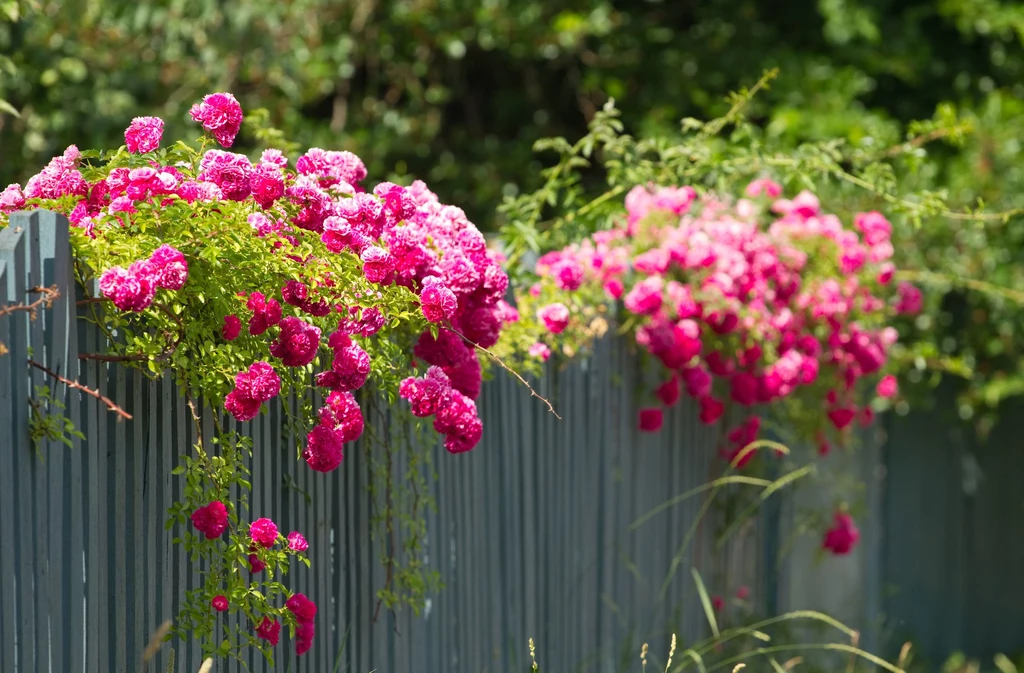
509 370
111 405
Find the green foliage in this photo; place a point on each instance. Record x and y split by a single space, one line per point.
934 228
47 422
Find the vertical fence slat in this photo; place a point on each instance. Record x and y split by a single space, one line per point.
13 247
8 582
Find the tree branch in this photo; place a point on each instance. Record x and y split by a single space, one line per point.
111 405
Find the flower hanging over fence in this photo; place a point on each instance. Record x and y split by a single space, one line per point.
744 304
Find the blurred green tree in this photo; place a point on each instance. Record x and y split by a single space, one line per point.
457 92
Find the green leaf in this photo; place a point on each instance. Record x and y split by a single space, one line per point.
709 610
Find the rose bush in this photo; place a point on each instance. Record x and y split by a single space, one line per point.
253 280
747 305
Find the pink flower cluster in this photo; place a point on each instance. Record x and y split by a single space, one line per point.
144 134
305 615
211 520
134 288
393 235
454 413
252 388
843 536
726 299
221 115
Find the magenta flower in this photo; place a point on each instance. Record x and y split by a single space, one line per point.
263 532
296 542
668 392
710 410
11 199
377 264
323 451
842 416
266 182
265 313
219 603
168 268
555 317
650 419
910 299
297 343
255 564
211 520
887 387
221 115
540 350
300 606
437 302
252 388
843 536
232 327
129 289
143 134
304 633
269 630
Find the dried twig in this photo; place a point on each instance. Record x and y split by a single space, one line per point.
49 294
85 389
509 370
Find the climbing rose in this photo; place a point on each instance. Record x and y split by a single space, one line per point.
887 387
842 536
743 593
297 343
265 313
437 302
377 264
555 317
252 388
769 188
255 564
11 199
350 367
168 268
296 542
842 417
221 115
269 630
143 134
668 392
219 603
304 633
910 299
130 289
211 520
323 451
300 606
539 350
232 327
263 532
718 603
650 419
266 182
710 410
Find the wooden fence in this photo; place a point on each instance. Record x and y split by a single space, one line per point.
531 535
